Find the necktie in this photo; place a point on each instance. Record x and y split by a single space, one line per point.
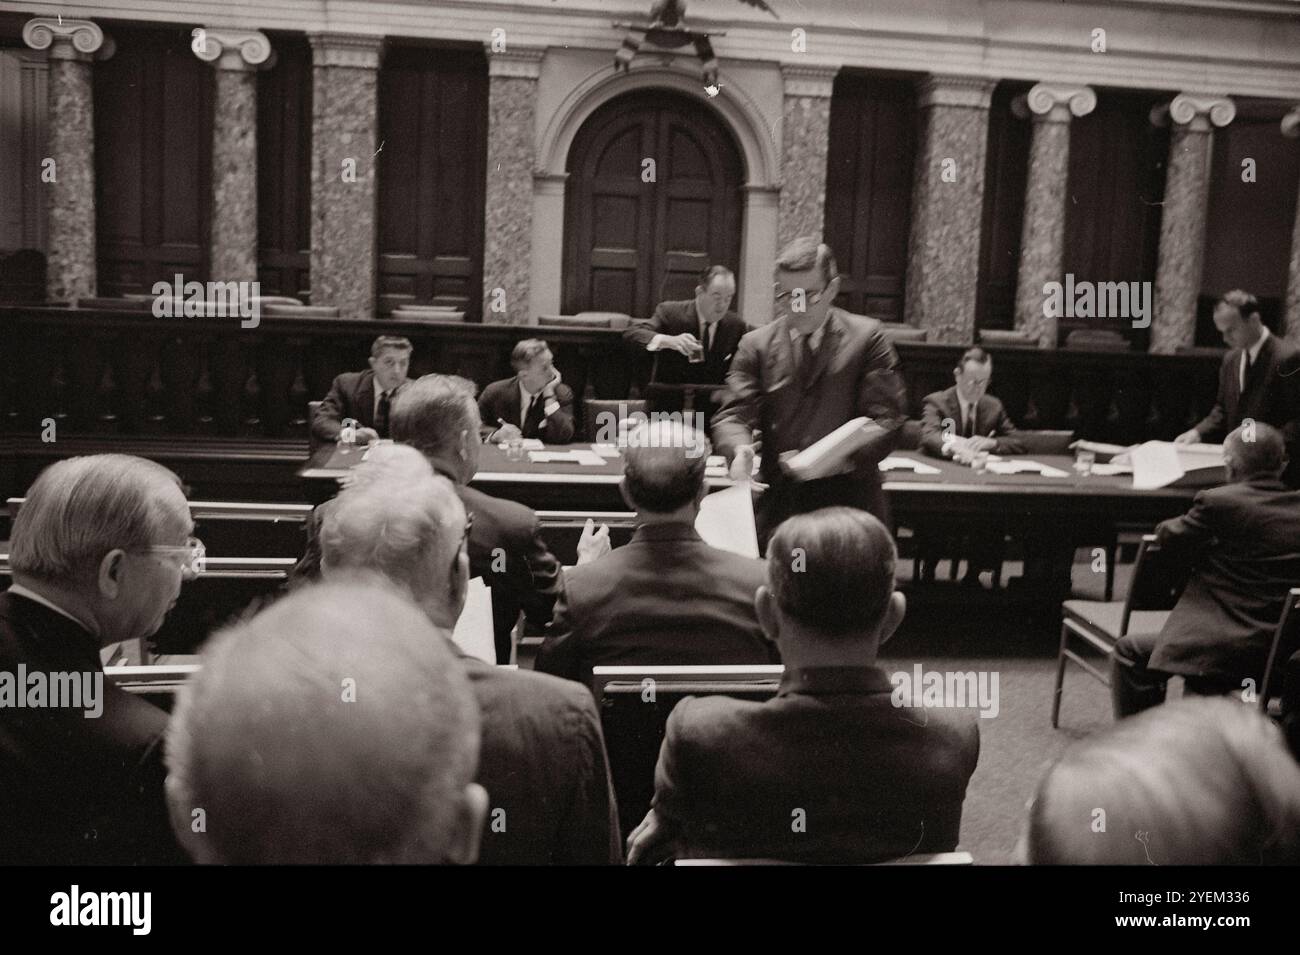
1245 371
968 426
533 405
806 354
381 416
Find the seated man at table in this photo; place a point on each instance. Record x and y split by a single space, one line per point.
535 403
665 597
1245 540
965 419
841 766
365 397
543 757
693 341
438 416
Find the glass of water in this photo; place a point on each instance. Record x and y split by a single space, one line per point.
515 449
1083 462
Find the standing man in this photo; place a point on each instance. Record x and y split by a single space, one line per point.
693 341
1259 379
532 404
797 379
365 396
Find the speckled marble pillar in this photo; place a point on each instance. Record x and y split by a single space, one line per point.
508 207
236 54
947 207
1182 218
805 138
1291 312
345 128
70 195
1042 234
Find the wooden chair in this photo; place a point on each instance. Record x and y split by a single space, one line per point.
1157 584
592 408
1286 644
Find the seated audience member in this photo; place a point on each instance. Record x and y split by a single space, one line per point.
300 743
665 597
964 419
399 462
365 397
1244 538
1198 782
542 758
437 415
99 550
1258 380
532 404
832 770
693 340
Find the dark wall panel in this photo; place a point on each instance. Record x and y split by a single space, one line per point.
1005 174
284 103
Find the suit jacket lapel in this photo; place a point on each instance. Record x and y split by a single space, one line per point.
821 358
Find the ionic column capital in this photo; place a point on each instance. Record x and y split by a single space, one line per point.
1199 112
1055 103
816 81
358 50
68 39
232 49
519 62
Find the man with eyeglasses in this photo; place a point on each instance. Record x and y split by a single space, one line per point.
802 376
99 550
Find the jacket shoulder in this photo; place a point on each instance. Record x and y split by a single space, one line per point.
535 691
512 517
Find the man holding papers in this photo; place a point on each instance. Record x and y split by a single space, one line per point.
811 371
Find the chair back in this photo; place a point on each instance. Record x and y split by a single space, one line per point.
313 442
620 408
1096 340
1046 442
1007 338
1286 643
1158 580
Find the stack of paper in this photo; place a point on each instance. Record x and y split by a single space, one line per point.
831 454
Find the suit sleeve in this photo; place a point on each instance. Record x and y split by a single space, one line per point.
557 427
672 799
882 397
1004 429
558 654
933 431
738 417
326 423
1212 427
487 412
641 331
590 834
1288 380
1192 530
546 583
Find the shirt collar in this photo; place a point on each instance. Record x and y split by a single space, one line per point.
815 336
18 590
830 681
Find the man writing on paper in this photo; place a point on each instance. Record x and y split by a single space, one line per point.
966 419
799 378
532 404
1259 379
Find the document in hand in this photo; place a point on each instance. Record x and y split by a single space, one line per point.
726 521
831 454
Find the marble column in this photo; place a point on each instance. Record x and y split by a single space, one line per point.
1042 234
805 138
70 183
508 206
1182 218
1291 312
345 130
947 207
236 54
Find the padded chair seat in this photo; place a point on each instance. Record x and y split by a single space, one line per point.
614 320
1105 617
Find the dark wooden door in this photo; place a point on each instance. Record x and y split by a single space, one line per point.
629 243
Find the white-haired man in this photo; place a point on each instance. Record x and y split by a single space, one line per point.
543 755
98 554
298 743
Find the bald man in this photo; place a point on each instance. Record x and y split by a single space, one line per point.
666 597
334 728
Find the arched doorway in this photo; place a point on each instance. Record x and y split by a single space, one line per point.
630 244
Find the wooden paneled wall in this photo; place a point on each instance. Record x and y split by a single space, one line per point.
284 100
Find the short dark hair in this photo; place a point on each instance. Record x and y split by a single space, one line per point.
1245 303
1264 454
806 251
832 569
430 413
712 272
662 478
389 341
975 354
522 355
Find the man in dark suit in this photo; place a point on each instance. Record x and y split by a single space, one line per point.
1259 379
665 597
840 767
801 377
532 404
965 419
1245 540
692 341
543 757
364 399
437 415
98 554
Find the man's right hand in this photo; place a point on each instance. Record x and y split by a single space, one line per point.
683 344
507 432
366 435
1191 436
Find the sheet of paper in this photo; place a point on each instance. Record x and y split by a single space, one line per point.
606 450
726 521
1193 457
908 464
1155 464
1110 470
473 633
1024 466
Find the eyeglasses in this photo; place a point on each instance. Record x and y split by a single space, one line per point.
191 556
781 294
